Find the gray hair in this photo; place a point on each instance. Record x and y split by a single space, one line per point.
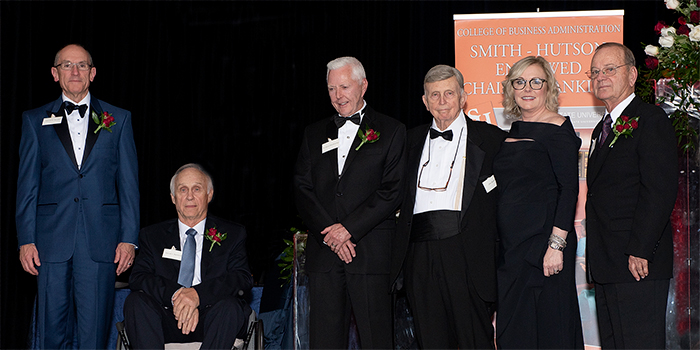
55 59
358 71
440 73
210 183
628 55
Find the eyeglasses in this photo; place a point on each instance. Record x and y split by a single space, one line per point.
535 83
439 189
69 65
607 71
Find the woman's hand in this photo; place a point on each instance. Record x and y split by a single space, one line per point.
553 262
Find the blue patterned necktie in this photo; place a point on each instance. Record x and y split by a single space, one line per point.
187 263
607 127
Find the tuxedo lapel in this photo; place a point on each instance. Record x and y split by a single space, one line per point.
367 123
206 254
593 157
331 156
595 135
596 161
475 159
600 153
62 131
92 126
413 165
172 239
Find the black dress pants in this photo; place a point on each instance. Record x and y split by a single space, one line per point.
632 315
149 325
334 295
447 310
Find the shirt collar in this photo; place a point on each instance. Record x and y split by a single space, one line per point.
199 227
617 111
85 100
456 125
361 111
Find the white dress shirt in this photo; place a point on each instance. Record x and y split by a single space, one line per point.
199 239
617 111
78 127
346 135
436 173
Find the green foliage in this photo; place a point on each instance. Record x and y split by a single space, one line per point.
287 259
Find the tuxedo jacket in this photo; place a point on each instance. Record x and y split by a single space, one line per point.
632 189
363 197
224 269
478 215
51 189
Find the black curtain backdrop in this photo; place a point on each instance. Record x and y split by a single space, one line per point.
229 85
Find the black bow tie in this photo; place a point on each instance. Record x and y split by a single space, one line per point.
447 135
340 121
70 107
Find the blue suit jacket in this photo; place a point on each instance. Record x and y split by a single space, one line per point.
51 188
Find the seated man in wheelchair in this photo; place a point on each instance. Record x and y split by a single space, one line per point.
190 273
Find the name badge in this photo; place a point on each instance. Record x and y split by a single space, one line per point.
172 253
330 145
489 184
53 120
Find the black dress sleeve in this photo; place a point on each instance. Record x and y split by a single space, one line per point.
563 147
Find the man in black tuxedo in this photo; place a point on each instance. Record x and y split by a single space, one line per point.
632 185
190 273
347 193
445 246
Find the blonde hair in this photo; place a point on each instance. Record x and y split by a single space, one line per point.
510 107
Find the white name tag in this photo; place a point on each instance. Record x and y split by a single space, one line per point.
330 145
172 253
51 121
489 184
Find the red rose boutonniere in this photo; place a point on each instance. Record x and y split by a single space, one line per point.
369 136
215 237
624 126
105 121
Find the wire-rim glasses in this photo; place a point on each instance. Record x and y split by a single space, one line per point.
67 65
607 71
439 189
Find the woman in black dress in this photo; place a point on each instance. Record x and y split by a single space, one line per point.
537 175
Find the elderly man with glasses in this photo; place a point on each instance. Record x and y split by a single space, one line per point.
77 205
445 246
632 183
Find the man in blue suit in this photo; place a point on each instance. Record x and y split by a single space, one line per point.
77 205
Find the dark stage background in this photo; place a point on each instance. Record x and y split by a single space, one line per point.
230 85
